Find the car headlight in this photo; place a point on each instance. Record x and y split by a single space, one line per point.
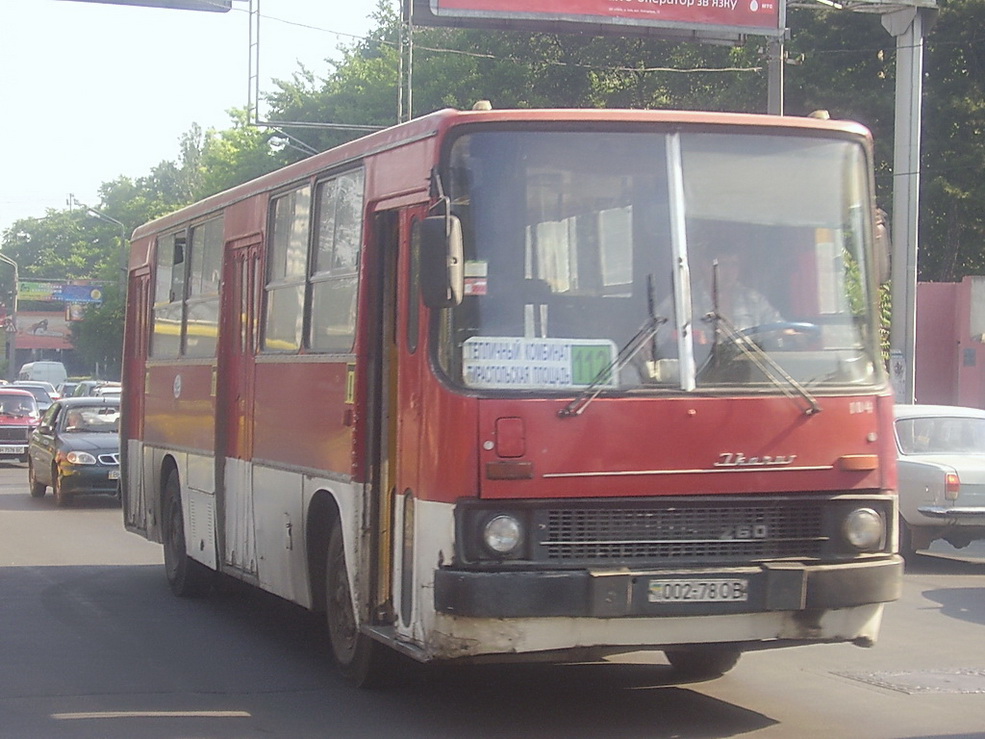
502 534
864 529
80 458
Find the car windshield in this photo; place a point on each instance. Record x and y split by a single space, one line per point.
40 394
101 419
941 435
17 406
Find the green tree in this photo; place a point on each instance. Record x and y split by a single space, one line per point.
230 157
952 213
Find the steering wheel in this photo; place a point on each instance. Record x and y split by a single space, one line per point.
785 335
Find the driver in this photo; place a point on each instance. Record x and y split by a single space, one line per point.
716 282
741 305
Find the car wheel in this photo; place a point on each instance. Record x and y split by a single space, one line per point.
38 489
62 498
187 578
906 546
363 661
703 662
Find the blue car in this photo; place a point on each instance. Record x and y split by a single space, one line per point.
76 449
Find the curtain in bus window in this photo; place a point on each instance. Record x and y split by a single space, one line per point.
286 270
202 316
169 295
335 263
567 247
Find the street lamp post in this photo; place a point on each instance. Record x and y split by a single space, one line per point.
10 329
123 240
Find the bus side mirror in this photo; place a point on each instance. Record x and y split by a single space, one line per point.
442 260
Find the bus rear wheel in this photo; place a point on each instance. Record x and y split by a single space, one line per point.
187 578
363 661
703 662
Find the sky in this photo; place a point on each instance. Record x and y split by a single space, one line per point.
91 92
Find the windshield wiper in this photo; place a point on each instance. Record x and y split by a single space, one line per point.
632 347
780 378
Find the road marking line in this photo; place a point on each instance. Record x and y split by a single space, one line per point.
151 714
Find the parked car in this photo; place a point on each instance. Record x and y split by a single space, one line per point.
941 465
76 449
19 416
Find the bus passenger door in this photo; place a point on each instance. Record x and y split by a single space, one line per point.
234 403
382 437
134 497
395 417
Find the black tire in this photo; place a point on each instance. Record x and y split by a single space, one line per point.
62 498
38 489
703 662
187 578
363 662
906 548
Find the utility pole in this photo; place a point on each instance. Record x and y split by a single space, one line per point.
10 327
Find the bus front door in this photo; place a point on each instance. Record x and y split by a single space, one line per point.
234 404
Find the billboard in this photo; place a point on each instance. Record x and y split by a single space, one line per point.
215 6
49 292
671 18
38 330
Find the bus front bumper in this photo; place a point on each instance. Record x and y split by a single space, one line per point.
606 593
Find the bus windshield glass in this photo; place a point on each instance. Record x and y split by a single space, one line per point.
666 262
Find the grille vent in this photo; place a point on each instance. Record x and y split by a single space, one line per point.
14 433
702 533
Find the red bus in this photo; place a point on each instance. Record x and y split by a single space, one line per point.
540 384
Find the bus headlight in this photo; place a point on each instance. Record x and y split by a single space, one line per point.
502 534
864 529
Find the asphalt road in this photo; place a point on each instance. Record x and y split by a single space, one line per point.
93 644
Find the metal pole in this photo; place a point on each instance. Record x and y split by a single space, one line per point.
774 101
909 26
123 242
11 331
410 67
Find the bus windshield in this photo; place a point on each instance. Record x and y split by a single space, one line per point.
669 261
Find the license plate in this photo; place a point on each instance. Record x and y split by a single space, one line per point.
114 474
11 450
699 590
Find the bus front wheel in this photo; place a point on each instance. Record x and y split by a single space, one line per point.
363 661
187 578
703 662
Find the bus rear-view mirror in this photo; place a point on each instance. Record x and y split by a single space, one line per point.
442 260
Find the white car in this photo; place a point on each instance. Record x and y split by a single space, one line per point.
40 391
48 387
941 462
